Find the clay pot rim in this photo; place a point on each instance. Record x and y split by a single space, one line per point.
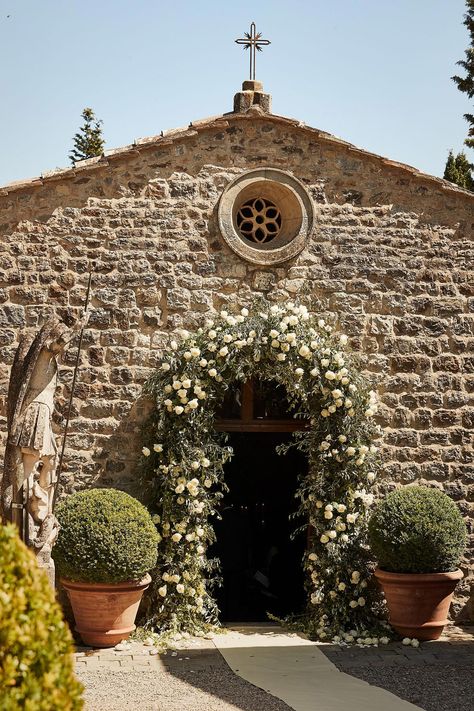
107 587
388 576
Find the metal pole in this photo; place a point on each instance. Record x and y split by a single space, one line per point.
68 417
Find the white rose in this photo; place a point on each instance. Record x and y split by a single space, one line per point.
350 451
244 312
158 447
212 334
179 410
406 641
324 538
330 375
207 483
341 508
351 518
415 643
168 403
319 504
343 339
206 462
193 404
281 356
353 603
146 452
195 465
328 514
313 556
179 489
176 537
344 538
299 372
314 372
223 351
361 601
324 413
165 366
199 531
341 586
212 372
370 477
180 588
200 550
162 591
332 534
304 351
273 333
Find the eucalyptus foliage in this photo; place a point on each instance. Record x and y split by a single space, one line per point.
184 460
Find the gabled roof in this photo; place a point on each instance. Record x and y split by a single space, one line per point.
216 122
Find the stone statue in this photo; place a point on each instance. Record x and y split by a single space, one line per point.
31 454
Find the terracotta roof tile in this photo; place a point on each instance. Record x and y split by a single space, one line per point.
221 121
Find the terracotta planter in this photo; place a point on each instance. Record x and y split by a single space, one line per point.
105 612
418 603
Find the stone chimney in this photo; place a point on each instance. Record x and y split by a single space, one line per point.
252 96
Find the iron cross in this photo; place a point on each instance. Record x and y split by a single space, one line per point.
253 42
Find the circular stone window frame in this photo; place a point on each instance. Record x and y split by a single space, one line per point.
293 202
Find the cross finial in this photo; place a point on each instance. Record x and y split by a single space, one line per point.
253 42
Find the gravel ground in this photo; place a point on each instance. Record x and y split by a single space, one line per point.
435 688
208 688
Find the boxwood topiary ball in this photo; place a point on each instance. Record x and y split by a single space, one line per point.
105 536
416 529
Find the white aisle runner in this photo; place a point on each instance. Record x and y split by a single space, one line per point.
295 670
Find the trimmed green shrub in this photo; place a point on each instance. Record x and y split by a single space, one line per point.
105 536
416 529
36 664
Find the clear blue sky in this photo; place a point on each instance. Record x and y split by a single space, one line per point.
373 72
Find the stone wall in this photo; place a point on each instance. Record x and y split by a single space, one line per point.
388 257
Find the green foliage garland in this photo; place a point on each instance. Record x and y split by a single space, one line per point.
417 530
36 664
184 460
105 536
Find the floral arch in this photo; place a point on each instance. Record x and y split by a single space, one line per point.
184 458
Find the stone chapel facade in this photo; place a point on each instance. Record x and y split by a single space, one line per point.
185 222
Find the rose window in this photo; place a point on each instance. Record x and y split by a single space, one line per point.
259 220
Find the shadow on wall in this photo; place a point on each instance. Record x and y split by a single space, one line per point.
113 460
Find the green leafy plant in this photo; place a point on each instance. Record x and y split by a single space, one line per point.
36 665
106 536
417 530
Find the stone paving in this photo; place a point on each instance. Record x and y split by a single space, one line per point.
436 676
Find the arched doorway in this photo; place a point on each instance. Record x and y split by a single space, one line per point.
260 557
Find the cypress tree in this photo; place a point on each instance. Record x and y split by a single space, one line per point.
458 170
88 141
466 83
